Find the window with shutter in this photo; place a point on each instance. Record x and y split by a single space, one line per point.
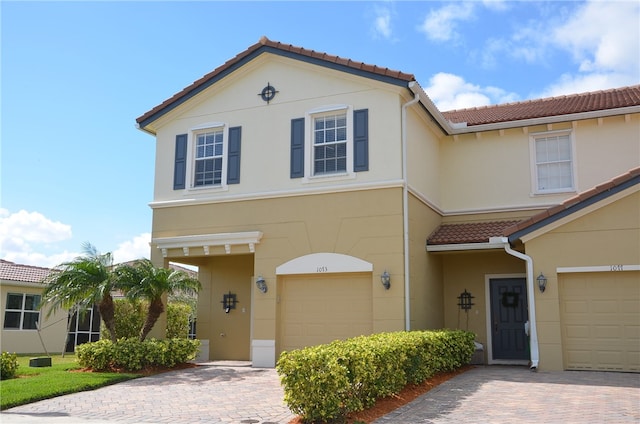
330 142
210 155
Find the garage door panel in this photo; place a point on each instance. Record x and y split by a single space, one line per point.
600 319
324 308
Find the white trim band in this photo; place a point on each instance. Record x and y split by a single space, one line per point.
601 268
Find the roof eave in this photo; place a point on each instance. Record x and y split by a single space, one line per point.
517 235
543 120
207 81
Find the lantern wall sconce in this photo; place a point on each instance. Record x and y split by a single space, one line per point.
542 282
261 284
385 279
229 301
464 301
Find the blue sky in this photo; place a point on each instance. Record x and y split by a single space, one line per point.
75 75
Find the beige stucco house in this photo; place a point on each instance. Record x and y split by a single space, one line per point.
298 181
20 317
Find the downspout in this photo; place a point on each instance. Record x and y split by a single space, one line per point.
533 332
405 211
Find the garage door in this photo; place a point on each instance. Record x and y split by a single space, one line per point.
319 309
600 318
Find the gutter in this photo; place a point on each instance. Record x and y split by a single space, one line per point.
533 332
405 209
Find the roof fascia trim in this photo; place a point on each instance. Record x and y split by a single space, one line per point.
574 208
580 116
276 51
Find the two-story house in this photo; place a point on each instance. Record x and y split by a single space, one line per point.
323 198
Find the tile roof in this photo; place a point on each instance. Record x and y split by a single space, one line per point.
574 203
274 46
25 273
553 106
468 232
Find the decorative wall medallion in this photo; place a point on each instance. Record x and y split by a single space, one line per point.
268 93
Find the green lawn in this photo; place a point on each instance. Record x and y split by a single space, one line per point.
33 384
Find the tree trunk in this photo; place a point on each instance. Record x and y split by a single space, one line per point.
107 312
156 307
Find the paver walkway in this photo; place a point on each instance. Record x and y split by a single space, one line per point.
244 395
499 394
206 394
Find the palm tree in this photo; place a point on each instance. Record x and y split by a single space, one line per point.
83 282
142 280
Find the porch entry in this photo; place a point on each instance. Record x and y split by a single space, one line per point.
509 313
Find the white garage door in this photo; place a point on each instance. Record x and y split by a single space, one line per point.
319 309
600 318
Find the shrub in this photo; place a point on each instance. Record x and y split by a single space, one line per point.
133 355
178 315
129 318
8 365
326 382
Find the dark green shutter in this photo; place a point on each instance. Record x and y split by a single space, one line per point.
297 148
233 158
361 140
180 164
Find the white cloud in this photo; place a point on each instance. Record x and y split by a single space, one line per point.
442 24
133 249
21 231
449 91
31 227
382 22
602 38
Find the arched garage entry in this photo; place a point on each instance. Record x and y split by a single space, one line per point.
323 297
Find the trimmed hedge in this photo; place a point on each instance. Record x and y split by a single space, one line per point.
8 365
130 354
327 382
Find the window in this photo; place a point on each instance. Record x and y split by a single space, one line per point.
210 154
208 164
21 312
553 162
83 328
330 144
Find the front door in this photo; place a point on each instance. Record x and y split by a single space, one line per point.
508 317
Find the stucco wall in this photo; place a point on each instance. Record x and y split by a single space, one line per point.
474 166
266 128
53 328
605 236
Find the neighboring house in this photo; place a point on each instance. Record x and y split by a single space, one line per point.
20 295
314 177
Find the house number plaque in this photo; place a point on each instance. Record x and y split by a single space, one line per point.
322 269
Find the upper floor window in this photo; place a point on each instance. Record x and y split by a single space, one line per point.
330 144
332 141
21 311
210 154
553 164
208 160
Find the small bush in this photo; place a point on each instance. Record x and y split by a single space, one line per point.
326 382
8 365
133 355
178 320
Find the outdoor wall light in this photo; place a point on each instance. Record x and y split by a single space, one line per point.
385 279
542 282
229 302
262 285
